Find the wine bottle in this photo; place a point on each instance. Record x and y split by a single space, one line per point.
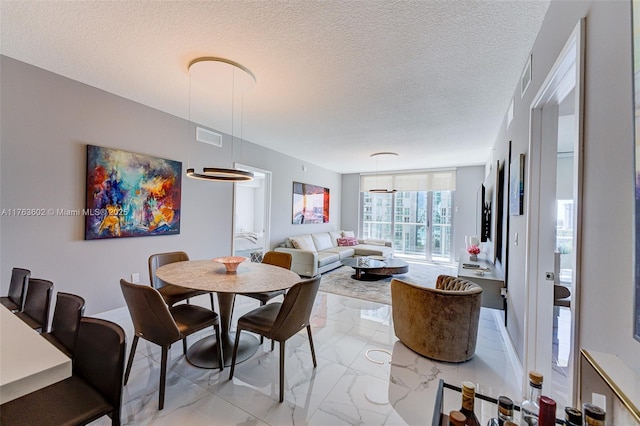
456 418
530 406
547 413
572 417
505 412
593 415
468 400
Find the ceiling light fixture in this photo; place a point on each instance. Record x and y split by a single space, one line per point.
377 156
212 71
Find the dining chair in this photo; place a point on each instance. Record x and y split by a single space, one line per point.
66 322
280 321
17 287
93 390
274 258
172 294
37 303
158 323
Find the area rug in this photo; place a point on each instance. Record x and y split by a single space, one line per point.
339 281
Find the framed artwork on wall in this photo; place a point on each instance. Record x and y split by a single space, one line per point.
131 195
636 81
516 186
310 204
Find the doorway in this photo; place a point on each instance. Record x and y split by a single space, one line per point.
553 224
251 214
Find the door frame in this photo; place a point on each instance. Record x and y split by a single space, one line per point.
267 206
554 87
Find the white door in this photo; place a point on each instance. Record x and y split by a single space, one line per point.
554 168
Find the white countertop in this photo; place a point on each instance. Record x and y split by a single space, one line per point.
28 362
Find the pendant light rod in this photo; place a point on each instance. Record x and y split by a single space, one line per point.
381 190
215 173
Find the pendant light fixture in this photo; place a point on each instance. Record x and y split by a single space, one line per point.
211 76
377 156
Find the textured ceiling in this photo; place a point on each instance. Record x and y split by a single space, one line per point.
336 80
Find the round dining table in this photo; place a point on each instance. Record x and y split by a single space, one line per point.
208 275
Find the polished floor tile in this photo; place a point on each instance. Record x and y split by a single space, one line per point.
365 376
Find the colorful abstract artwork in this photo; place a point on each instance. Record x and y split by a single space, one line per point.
131 195
310 204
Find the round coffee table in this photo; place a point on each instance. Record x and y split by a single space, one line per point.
368 269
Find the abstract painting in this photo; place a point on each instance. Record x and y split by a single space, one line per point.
131 195
310 204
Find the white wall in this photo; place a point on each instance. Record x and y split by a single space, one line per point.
468 181
605 323
47 121
245 200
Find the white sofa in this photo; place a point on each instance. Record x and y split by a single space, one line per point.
320 252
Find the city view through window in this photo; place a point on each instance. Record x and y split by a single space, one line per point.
418 222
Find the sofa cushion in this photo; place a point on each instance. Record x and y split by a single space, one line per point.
334 238
322 241
375 242
303 242
373 250
327 257
347 241
348 233
344 252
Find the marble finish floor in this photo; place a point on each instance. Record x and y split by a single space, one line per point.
390 386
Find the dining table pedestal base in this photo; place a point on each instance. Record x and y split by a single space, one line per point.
204 352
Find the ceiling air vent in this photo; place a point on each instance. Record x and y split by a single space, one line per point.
207 136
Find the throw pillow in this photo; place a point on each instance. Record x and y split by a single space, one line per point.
334 237
347 241
348 234
303 242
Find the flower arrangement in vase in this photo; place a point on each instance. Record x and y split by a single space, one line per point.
474 251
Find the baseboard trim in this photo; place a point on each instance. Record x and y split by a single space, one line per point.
511 350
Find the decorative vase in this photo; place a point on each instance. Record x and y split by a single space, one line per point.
473 257
230 262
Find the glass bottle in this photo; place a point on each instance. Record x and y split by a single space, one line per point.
547 413
456 418
468 400
593 415
572 417
505 412
530 406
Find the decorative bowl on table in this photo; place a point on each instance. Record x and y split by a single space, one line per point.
230 262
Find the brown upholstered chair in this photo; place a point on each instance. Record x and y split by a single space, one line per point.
439 323
17 287
172 294
93 390
66 322
158 323
280 321
37 303
275 258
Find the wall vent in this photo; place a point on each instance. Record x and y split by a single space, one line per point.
209 137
